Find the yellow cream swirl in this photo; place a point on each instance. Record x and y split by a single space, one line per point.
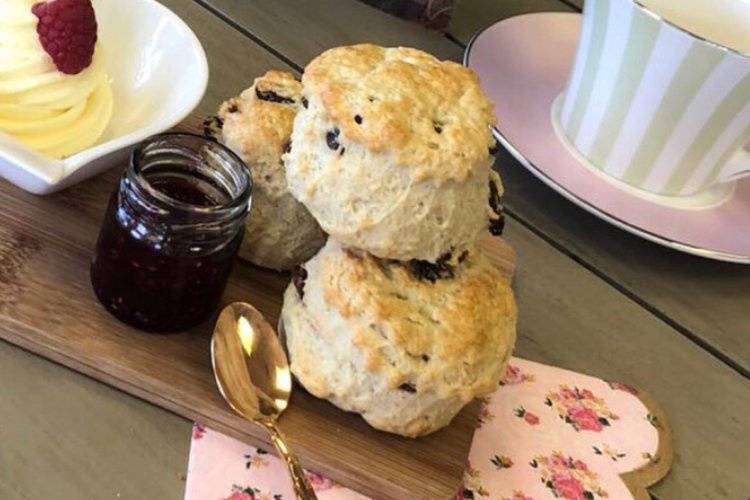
47 110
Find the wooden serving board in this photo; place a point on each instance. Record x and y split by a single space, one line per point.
47 306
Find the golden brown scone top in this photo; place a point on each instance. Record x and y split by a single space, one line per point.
452 321
258 123
432 114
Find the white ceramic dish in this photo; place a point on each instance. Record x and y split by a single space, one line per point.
159 73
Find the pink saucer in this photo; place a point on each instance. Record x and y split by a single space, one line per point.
523 63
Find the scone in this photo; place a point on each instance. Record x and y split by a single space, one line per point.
257 125
392 152
406 345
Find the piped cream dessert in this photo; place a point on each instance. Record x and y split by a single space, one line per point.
55 95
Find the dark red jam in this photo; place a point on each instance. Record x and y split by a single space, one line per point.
181 189
169 237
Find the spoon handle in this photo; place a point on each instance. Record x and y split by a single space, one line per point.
303 490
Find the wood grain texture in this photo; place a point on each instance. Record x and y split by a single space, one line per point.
233 60
707 403
616 340
704 300
68 437
47 306
569 317
707 301
299 30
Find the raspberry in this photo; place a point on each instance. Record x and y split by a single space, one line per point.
67 31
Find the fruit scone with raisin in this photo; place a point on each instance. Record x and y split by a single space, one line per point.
280 233
405 344
392 152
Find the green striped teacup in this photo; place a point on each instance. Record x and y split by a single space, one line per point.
654 105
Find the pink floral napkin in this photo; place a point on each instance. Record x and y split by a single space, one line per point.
545 433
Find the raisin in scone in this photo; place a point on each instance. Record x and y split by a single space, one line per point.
392 152
405 344
257 125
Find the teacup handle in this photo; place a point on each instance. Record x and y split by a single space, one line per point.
738 165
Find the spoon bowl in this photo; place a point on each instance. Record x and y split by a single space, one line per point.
252 373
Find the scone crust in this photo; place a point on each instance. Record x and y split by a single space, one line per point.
257 125
431 115
451 320
406 353
392 152
259 130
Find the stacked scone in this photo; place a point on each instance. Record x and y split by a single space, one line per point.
280 233
399 316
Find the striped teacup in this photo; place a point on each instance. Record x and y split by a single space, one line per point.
655 105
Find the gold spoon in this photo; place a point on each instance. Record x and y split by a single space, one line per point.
252 373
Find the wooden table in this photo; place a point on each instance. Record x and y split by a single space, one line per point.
592 298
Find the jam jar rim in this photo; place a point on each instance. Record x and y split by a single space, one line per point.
239 201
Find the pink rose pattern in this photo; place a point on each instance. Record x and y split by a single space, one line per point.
242 495
472 488
585 419
568 478
531 419
239 492
514 376
563 476
581 409
502 462
257 459
485 415
607 451
198 431
527 416
320 483
617 386
250 493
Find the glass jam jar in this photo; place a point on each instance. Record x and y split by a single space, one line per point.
171 232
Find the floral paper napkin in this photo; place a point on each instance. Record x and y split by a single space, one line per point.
545 433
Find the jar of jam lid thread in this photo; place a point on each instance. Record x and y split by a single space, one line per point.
171 232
